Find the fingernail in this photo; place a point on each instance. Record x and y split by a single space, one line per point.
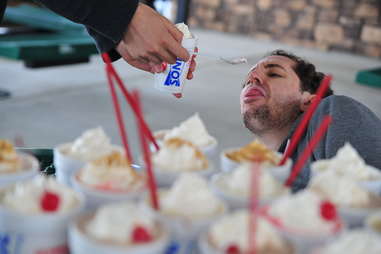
157 68
178 95
163 66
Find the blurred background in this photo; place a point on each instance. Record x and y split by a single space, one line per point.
53 85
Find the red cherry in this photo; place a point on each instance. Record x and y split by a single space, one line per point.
50 201
232 249
141 235
328 211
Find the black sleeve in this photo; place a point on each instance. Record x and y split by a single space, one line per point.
3 4
105 20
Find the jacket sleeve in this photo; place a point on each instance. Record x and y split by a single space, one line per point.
106 21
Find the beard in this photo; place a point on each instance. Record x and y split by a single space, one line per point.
265 118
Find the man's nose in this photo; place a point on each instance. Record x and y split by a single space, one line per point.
256 77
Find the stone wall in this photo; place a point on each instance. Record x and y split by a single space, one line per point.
348 25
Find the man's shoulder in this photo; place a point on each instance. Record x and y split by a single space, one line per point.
342 104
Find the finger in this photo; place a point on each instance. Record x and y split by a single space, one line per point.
140 65
192 66
190 75
166 56
176 49
173 30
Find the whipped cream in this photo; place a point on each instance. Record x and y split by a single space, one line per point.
348 162
178 155
190 197
91 145
9 161
301 212
111 172
193 130
117 222
25 197
185 30
355 242
234 229
340 189
238 183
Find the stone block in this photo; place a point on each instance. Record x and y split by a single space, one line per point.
297 5
371 34
329 33
326 3
282 18
366 11
210 3
264 4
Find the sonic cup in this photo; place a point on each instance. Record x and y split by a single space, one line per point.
173 78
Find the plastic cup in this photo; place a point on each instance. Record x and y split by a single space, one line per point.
42 233
97 197
30 167
206 247
234 202
80 243
65 165
166 178
173 78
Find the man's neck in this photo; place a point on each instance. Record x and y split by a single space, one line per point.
274 138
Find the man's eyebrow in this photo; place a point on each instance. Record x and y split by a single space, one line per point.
274 66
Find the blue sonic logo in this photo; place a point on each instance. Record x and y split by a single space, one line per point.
173 77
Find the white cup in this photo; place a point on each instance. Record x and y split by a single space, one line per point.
166 178
42 233
235 201
65 165
173 78
97 197
29 168
80 243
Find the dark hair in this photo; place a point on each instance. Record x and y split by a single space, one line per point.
310 79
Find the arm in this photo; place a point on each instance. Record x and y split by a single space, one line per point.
352 122
140 35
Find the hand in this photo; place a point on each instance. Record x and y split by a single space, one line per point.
150 40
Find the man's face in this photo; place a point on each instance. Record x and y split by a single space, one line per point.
271 95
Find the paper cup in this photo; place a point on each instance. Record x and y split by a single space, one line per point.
30 168
166 178
42 233
96 197
234 202
80 243
173 78
65 165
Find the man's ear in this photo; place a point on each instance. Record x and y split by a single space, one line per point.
306 101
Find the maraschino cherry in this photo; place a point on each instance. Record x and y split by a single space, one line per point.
50 202
141 235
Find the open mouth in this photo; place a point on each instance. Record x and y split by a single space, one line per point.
253 94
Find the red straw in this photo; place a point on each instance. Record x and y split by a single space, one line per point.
254 204
129 98
306 118
147 155
308 150
119 115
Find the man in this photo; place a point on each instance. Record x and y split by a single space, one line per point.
124 28
276 93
